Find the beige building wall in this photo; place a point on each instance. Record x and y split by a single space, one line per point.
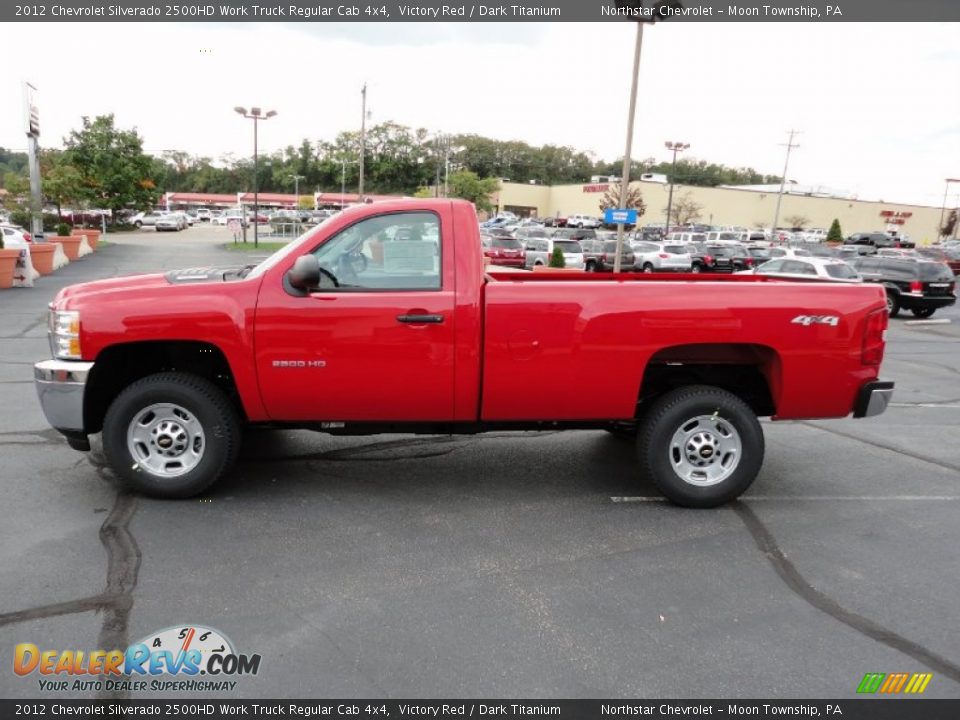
724 206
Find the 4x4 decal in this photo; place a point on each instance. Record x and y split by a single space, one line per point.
808 320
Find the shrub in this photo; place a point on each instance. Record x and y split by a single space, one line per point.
21 218
63 229
834 234
556 258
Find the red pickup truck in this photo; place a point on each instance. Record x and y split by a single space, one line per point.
385 319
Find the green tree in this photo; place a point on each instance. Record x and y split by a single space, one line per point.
467 185
115 172
62 184
834 234
557 260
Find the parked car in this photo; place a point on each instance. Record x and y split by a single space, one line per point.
608 254
506 251
920 286
896 253
15 234
583 221
661 257
592 250
791 252
578 234
147 219
949 256
539 251
810 268
873 239
171 222
711 258
203 214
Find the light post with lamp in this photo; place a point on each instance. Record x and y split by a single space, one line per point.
675 147
255 114
296 188
943 208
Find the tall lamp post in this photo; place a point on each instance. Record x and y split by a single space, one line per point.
676 147
255 114
343 179
296 188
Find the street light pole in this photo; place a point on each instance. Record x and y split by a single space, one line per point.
256 115
631 113
363 140
296 187
783 182
676 147
943 208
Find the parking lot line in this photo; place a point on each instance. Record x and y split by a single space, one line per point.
807 498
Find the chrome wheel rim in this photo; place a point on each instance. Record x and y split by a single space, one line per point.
889 303
705 450
166 440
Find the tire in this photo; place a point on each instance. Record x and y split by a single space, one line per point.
893 305
682 427
138 224
647 268
695 268
166 409
923 312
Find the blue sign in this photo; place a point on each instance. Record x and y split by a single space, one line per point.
613 216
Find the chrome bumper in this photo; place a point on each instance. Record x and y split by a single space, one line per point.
873 399
60 385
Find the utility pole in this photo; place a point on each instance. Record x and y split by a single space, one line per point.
296 188
631 114
363 139
783 181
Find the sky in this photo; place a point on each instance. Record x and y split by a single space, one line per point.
875 104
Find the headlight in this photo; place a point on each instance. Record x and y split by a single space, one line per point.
64 328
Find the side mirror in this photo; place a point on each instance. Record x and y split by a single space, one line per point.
305 273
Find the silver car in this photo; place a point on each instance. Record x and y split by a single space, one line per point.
661 257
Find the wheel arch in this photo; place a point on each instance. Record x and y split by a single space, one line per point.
750 371
117 366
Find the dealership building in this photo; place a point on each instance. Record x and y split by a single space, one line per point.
747 206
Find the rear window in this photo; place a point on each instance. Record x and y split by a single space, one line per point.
508 243
935 272
841 271
568 246
675 249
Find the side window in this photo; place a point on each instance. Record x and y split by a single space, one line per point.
772 266
399 251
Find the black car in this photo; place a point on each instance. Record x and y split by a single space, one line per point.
712 258
578 234
873 239
604 263
919 286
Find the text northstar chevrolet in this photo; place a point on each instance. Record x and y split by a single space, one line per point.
384 319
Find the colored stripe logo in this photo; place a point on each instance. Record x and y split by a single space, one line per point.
894 683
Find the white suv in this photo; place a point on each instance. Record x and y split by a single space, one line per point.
583 221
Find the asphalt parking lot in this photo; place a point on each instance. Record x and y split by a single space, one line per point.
505 565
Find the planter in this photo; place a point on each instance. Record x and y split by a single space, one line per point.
93 236
8 261
70 245
42 254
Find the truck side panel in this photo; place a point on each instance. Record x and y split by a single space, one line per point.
574 350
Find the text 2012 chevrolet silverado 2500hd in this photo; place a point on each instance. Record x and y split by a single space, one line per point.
382 319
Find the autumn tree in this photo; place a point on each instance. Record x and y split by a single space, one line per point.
611 198
685 209
797 221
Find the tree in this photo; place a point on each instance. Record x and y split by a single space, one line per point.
61 184
834 234
115 172
557 260
797 221
17 187
950 225
467 185
685 209
611 198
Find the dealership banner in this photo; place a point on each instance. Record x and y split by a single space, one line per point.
511 709
513 11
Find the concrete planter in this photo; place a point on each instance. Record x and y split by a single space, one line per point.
70 245
93 236
546 268
42 255
8 261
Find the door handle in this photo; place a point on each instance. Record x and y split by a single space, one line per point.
419 319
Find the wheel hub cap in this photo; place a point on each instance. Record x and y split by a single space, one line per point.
166 439
705 450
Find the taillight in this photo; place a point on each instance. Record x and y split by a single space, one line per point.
916 287
28 237
664 256
873 337
708 259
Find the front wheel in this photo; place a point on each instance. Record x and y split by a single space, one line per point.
647 268
171 435
696 268
700 446
893 305
923 312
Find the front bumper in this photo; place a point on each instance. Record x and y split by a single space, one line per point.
873 398
60 386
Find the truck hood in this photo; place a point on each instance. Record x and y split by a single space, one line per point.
154 282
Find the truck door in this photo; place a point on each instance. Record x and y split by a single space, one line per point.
375 341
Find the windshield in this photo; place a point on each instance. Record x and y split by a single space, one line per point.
568 246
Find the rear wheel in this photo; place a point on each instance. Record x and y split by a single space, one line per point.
647 268
696 268
701 446
171 435
893 305
923 312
